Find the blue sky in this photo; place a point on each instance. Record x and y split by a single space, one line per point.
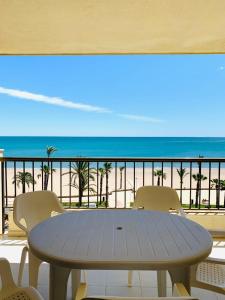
149 95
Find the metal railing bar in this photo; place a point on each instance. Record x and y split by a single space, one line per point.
60 179
70 188
219 184
14 171
6 183
190 202
51 164
209 194
97 184
33 176
88 184
171 172
114 159
143 173
116 184
152 173
125 184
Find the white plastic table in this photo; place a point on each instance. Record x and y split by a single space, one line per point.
118 240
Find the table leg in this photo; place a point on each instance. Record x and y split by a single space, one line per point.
58 278
181 275
161 280
130 278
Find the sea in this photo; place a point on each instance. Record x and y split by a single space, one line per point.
184 147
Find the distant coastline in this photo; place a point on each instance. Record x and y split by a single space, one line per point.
114 146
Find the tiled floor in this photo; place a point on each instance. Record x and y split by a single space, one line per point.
105 282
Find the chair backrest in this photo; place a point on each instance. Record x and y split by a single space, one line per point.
6 276
160 198
29 209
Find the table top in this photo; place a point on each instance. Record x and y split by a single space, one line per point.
120 239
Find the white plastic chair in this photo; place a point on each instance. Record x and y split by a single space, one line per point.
179 293
29 210
9 290
209 275
159 198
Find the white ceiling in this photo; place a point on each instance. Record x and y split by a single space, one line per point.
111 26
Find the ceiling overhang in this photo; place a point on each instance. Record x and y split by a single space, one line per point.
111 26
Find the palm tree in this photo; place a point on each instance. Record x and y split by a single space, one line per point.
159 174
108 167
121 176
24 178
182 173
198 178
102 174
81 176
219 185
46 168
50 150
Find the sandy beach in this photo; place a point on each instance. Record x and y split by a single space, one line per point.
122 195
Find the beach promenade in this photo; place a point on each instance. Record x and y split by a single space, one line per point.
122 185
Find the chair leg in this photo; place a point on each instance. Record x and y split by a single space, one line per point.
34 264
81 292
130 278
22 264
161 279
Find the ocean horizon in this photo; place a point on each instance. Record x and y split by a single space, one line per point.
184 147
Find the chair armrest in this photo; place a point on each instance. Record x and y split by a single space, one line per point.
217 233
213 260
6 275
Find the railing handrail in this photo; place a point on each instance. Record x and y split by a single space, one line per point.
114 159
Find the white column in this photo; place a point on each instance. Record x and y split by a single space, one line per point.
1 208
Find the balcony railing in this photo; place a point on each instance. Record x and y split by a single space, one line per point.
112 182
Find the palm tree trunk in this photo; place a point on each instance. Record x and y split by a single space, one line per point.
46 176
80 196
197 200
181 186
24 188
45 181
101 182
121 179
197 194
158 181
217 196
80 191
107 189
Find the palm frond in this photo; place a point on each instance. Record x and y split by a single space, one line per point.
50 150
